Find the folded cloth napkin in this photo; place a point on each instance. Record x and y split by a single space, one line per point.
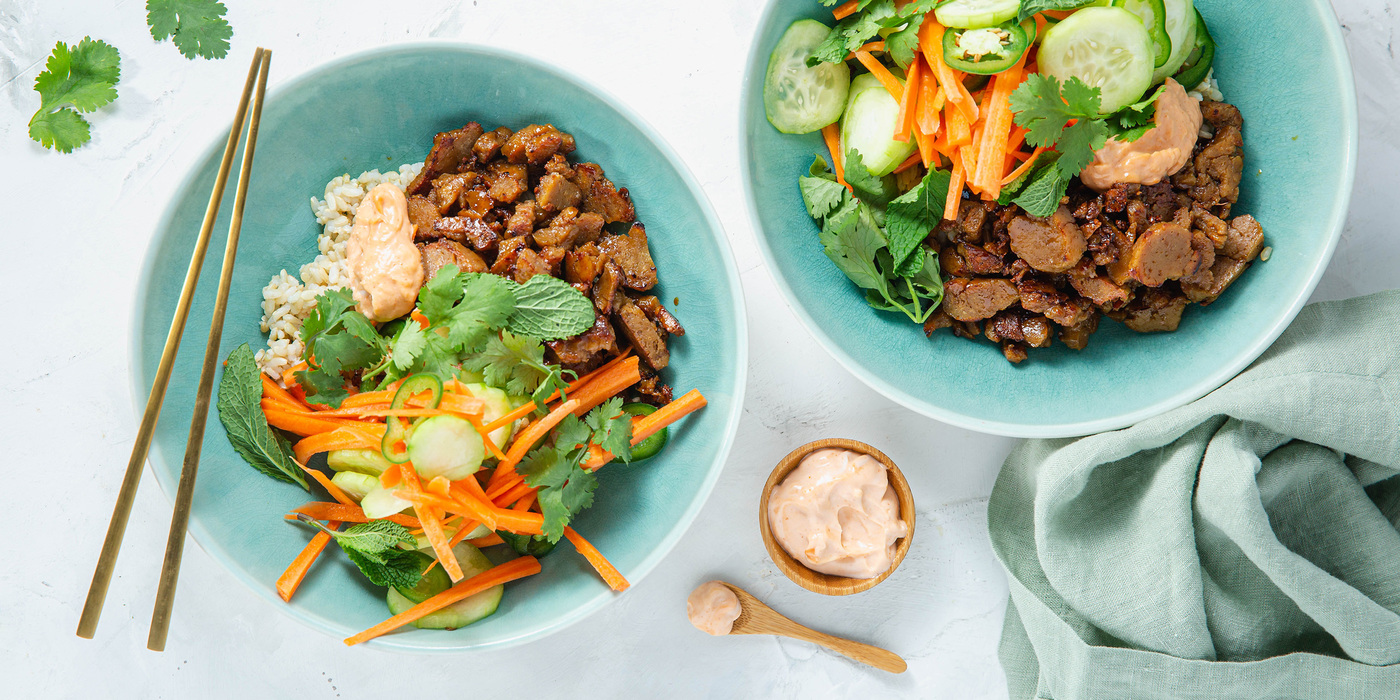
1243 546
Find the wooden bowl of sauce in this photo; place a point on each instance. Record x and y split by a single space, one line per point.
828 584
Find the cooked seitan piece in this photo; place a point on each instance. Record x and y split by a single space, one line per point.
642 334
601 196
977 299
1166 251
586 351
522 221
536 144
556 193
507 182
1154 311
529 263
1077 337
938 321
423 213
606 287
633 257
651 389
1020 326
1213 176
1244 240
489 145
443 252
561 230
448 189
508 251
978 261
448 151
652 307
583 265
1049 245
466 229
1222 274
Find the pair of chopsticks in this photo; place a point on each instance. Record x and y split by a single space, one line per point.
116 529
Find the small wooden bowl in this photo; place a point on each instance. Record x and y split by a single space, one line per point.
827 584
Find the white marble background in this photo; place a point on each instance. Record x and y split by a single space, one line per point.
74 228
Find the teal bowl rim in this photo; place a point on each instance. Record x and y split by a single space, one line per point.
1341 203
731 270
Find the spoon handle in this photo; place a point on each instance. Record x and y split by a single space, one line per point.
864 653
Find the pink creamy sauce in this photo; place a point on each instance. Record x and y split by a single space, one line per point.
1160 153
713 608
386 269
836 514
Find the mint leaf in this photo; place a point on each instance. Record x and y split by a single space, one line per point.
240 411
1030 8
910 218
79 78
1042 195
548 308
197 27
373 547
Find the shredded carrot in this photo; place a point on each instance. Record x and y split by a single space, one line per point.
516 493
1025 167
831 133
525 503
881 73
347 514
845 10
927 153
996 132
959 130
439 485
422 320
520 523
391 476
342 438
931 101
291 579
466 405
368 398
908 100
486 437
606 386
968 155
490 540
505 573
431 518
931 44
476 507
955 189
610 574
534 432
330 488
871 47
303 424
275 391
648 425
908 163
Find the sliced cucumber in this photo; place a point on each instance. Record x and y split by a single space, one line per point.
498 403
463 612
868 127
421 541
1107 48
369 462
800 98
445 446
860 84
431 583
1154 17
382 503
972 14
354 484
1181 27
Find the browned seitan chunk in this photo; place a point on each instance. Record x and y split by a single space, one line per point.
583 265
448 189
1154 311
422 212
632 256
977 299
489 145
536 143
529 263
642 334
655 311
601 196
606 287
505 258
448 151
507 182
1077 337
1049 245
1102 291
561 230
1244 240
1222 274
466 229
522 221
585 351
555 193
1166 251
443 252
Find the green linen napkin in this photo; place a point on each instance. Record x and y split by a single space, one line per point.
1243 546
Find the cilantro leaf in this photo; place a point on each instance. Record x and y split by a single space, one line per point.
548 308
612 428
79 78
1038 108
374 548
822 196
850 239
852 32
240 410
1030 8
435 299
1081 99
870 189
487 302
573 436
1078 145
197 27
565 488
910 218
516 365
407 346
903 43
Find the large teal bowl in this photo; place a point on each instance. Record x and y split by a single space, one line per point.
1285 67
376 110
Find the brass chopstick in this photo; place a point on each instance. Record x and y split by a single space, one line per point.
184 493
116 529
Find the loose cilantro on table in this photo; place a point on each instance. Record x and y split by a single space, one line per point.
76 79
374 548
565 486
877 242
240 410
197 27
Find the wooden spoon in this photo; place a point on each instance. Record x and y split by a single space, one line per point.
757 618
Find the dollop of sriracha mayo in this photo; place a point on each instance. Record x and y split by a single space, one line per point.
1159 153
836 514
713 608
386 269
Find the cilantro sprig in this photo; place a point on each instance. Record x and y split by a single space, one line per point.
870 17
1067 118
76 79
876 241
374 548
565 486
197 27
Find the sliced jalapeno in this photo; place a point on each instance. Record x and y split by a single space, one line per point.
653 444
395 431
985 51
1153 14
1199 61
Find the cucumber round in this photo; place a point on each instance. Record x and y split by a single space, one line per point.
463 612
355 485
1153 14
800 98
445 446
860 84
868 127
975 14
369 462
1181 27
498 403
382 503
429 585
1107 48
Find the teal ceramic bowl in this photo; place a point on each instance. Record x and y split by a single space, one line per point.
377 110
1286 69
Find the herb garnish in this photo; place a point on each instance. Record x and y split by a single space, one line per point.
870 18
374 548
76 79
240 410
197 27
1030 8
565 486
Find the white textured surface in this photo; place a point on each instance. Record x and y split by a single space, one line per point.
74 229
